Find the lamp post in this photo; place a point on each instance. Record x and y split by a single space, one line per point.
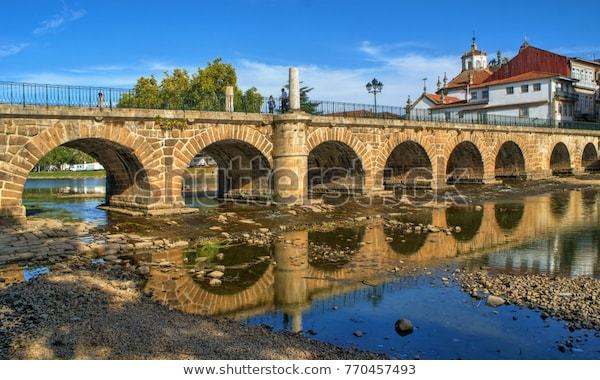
374 87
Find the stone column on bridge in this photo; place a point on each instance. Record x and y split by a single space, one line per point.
290 158
229 99
294 85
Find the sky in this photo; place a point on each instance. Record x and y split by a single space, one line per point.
338 45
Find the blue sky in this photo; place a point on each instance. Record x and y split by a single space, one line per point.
338 45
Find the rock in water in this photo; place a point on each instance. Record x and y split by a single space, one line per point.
214 282
358 333
216 274
404 327
495 301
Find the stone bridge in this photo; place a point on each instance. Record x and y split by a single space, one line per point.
284 157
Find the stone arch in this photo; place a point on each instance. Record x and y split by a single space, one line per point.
425 140
334 166
560 160
465 164
589 157
130 161
243 155
342 135
408 164
510 161
348 172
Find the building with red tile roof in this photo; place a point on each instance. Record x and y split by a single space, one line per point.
533 84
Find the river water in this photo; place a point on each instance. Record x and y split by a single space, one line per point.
330 283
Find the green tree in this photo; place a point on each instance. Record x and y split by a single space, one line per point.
249 101
306 104
204 90
175 90
145 94
208 85
64 155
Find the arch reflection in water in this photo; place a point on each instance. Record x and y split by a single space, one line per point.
509 215
468 218
527 238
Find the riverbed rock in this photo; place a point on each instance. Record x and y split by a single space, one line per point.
215 282
404 327
143 270
495 301
216 274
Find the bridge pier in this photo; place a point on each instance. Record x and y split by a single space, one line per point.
290 158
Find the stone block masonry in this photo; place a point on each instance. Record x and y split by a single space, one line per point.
286 157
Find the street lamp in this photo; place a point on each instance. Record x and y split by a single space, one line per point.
374 87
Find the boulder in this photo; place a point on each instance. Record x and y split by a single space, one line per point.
495 301
216 274
404 327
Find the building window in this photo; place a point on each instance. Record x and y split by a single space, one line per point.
485 94
524 112
525 88
510 90
474 95
537 87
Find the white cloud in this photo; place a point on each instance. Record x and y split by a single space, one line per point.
65 16
11 49
401 72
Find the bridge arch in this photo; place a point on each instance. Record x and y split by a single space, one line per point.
589 156
560 159
510 161
465 164
408 164
131 163
243 157
337 160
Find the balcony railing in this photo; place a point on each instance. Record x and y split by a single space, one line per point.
567 95
27 94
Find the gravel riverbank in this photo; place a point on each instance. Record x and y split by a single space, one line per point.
575 300
87 311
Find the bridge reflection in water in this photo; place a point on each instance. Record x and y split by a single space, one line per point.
556 233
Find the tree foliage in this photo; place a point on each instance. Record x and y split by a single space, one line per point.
306 104
204 90
64 155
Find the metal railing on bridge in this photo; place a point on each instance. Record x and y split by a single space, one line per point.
27 94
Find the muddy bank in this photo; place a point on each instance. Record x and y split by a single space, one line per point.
575 300
87 311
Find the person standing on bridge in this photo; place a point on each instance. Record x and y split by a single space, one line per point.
271 104
100 99
284 101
